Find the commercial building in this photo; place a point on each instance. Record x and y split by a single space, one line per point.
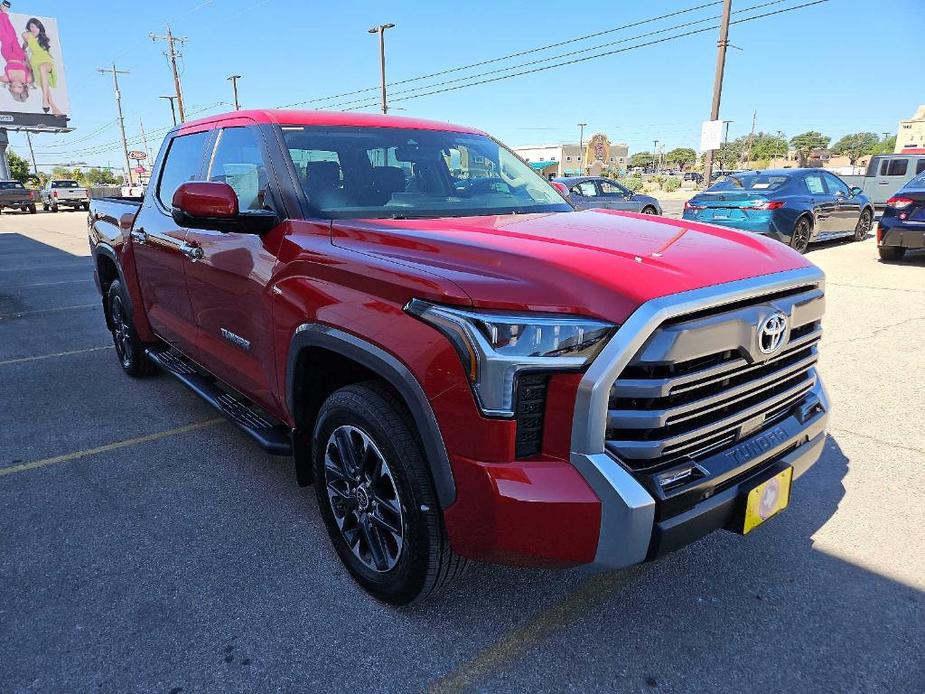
910 136
568 159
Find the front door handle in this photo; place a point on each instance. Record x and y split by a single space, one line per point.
139 236
192 252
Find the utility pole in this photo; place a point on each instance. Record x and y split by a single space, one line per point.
655 161
144 139
234 86
381 31
718 83
172 57
35 167
581 144
173 110
751 135
115 85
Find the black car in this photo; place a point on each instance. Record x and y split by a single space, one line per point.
902 225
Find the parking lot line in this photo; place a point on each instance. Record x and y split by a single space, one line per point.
19 360
44 462
523 639
46 310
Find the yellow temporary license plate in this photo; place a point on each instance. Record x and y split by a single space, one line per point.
767 499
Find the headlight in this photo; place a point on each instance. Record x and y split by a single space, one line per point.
495 346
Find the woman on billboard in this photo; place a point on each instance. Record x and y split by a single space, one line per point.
43 65
16 73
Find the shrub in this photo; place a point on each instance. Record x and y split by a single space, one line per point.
634 183
671 184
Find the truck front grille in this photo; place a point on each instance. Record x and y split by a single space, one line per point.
698 382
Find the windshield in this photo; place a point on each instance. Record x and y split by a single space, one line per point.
757 182
349 172
64 184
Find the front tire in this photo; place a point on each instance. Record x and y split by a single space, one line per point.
54 208
802 231
376 496
129 348
32 209
864 225
891 253
648 209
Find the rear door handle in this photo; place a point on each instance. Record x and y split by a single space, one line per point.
194 253
139 236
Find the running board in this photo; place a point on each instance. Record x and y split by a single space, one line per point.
272 436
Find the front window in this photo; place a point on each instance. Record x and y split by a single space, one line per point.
351 172
761 182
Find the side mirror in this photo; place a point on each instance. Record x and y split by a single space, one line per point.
856 191
214 205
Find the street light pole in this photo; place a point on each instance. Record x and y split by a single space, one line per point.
718 83
581 141
173 111
234 86
381 31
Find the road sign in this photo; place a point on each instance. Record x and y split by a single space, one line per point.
711 135
137 154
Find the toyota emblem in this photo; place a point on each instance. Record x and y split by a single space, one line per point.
771 332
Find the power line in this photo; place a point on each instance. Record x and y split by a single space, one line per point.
579 51
592 57
511 55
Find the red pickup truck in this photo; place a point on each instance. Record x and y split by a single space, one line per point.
464 365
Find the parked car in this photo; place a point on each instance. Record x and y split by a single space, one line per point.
587 192
794 206
15 196
694 176
59 193
464 365
887 173
902 225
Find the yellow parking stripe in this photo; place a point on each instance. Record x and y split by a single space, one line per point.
44 462
520 641
19 360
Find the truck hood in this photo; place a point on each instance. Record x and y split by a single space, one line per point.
602 263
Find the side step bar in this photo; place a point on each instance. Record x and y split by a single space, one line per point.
272 436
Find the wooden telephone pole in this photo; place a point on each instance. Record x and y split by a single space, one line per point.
172 57
115 85
718 84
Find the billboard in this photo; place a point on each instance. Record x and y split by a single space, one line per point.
33 93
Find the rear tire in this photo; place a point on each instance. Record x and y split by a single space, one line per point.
802 232
864 225
32 209
86 206
891 253
376 496
54 208
129 348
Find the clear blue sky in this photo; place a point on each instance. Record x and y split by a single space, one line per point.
838 67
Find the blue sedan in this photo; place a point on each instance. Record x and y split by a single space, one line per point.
902 225
794 206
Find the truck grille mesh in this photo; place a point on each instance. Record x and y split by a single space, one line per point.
663 410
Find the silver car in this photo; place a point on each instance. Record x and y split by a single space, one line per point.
587 192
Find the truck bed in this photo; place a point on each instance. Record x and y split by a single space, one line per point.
114 216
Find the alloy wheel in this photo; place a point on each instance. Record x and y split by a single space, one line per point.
121 332
364 498
800 239
863 227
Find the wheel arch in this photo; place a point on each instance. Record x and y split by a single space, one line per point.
107 268
364 360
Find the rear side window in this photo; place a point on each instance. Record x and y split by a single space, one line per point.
814 184
181 164
894 167
239 163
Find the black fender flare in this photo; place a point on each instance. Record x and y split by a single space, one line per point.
397 375
102 249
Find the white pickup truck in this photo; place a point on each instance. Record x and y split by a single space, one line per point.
64 193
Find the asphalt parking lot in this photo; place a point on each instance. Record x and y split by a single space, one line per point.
147 545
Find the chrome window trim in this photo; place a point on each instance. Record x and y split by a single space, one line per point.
627 509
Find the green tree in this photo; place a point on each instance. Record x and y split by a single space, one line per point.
730 154
682 156
19 167
644 159
805 143
96 176
765 146
886 146
856 145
